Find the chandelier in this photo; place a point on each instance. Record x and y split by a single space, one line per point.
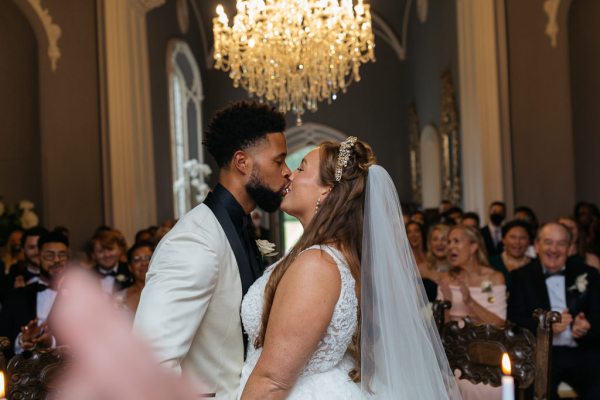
294 53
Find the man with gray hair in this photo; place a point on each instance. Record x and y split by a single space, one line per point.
573 290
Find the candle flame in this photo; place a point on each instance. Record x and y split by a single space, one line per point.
506 370
2 391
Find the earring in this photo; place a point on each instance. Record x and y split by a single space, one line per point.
318 205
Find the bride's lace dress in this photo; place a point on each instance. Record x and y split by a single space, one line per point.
325 376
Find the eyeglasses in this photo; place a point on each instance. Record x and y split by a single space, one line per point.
140 259
51 255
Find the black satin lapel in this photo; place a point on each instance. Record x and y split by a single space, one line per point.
539 282
243 263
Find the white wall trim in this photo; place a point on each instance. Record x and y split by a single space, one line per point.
482 162
129 153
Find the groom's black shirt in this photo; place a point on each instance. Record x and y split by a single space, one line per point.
239 231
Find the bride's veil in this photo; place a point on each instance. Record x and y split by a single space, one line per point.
402 356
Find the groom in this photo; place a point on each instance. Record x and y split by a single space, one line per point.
190 307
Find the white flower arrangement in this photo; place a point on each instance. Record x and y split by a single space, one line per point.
486 286
266 248
121 278
580 284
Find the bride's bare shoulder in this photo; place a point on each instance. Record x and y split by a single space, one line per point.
314 266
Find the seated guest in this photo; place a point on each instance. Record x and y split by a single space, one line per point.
573 290
436 260
577 249
259 231
28 271
143 236
454 213
12 251
107 250
24 316
475 290
471 219
492 232
416 237
516 240
138 258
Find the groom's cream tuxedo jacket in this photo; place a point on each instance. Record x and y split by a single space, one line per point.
189 310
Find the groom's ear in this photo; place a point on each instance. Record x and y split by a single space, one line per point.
241 162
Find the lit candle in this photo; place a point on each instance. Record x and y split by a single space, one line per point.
2 387
508 382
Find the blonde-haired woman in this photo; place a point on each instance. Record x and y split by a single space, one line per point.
475 290
436 259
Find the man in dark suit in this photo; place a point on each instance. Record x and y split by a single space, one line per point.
28 271
492 232
551 283
25 313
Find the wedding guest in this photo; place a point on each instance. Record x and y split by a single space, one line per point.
143 236
12 251
107 251
444 206
516 239
455 214
470 219
419 217
550 283
587 216
475 290
24 316
526 214
259 231
138 257
436 260
577 250
492 232
416 237
28 271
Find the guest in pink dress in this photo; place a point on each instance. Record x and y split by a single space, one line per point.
475 290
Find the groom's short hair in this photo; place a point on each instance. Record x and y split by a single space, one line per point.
239 126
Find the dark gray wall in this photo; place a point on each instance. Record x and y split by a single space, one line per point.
584 41
540 110
20 170
69 123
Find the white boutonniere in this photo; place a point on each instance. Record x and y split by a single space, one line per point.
266 248
580 284
121 278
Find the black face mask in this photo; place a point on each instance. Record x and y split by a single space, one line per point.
497 218
264 197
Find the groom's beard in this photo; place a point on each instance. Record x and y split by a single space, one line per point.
264 197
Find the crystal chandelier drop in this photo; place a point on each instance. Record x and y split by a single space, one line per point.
294 53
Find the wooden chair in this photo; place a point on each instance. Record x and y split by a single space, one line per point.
31 374
476 350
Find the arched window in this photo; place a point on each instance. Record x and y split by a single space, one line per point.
185 100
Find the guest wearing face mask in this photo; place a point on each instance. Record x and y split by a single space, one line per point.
492 233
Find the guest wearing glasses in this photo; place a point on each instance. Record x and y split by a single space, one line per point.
138 258
24 317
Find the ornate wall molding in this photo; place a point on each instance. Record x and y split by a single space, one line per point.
415 155
383 30
52 31
451 183
551 9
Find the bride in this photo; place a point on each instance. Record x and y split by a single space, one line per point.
343 315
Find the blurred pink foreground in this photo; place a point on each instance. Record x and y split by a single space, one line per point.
107 362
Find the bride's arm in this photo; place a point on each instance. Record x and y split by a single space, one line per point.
301 312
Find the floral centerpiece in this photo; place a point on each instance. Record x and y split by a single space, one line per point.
19 216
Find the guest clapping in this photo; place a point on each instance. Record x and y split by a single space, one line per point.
474 288
551 283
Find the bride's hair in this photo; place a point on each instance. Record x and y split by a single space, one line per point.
338 222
